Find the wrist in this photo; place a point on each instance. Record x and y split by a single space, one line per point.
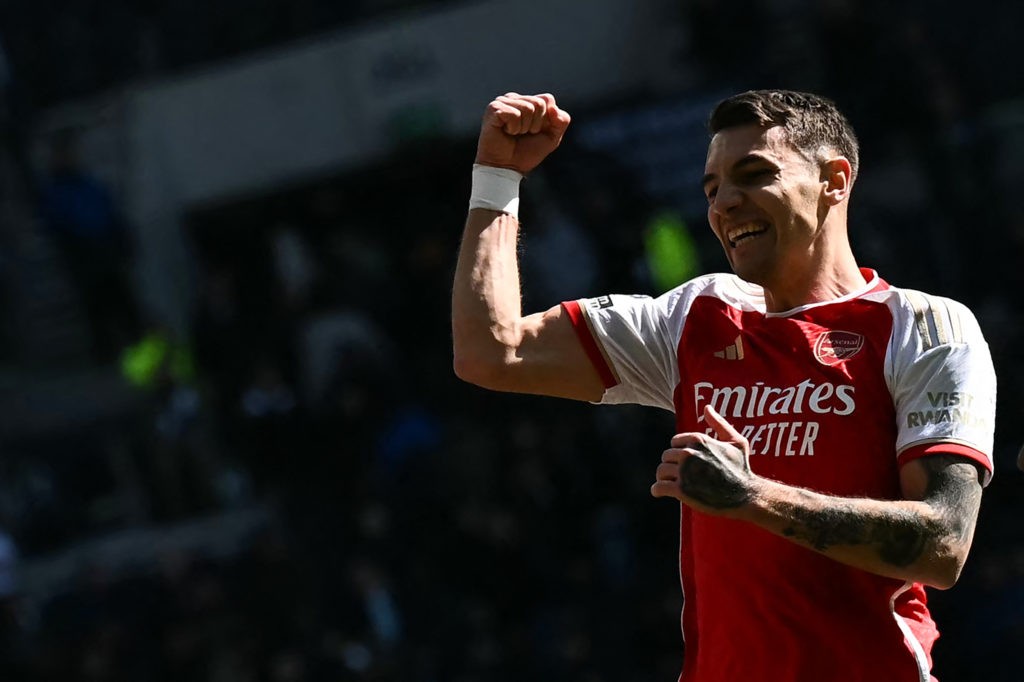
759 493
495 189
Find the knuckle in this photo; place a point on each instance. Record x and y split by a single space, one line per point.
683 440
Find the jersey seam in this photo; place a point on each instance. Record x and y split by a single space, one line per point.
916 648
868 288
939 441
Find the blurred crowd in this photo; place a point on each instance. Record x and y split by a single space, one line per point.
422 529
73 48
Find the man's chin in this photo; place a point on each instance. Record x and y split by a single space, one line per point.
750 274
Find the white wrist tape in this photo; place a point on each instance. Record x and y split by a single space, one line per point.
496 189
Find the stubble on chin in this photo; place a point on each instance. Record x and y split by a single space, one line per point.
749 272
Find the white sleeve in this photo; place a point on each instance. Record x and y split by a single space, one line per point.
639 336
941 376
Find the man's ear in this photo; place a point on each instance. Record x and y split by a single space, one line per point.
837 178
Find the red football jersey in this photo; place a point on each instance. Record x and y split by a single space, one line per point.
833 397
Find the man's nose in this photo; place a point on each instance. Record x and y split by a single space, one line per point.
727 197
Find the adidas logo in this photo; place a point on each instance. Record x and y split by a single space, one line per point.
734 351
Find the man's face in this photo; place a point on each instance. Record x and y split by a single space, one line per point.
764 198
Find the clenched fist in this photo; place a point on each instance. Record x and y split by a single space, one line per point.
519 131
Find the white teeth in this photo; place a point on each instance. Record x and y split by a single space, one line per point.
743 230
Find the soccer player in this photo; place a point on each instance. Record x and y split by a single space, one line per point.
835 432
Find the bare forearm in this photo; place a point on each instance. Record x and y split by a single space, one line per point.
486 306
495 345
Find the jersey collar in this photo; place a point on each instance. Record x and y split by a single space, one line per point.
874 283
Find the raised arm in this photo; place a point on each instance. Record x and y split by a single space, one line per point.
923 538
494 345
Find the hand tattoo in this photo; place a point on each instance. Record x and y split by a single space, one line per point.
712 486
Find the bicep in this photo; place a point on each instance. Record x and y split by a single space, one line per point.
550 360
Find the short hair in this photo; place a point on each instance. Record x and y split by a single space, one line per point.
810 121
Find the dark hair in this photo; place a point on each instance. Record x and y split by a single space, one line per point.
810 121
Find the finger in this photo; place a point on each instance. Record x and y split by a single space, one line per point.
527 109
499 113
688 440
561 118
725 431
665 489
539 117
509 115
558 119
672 455
510 120
667 471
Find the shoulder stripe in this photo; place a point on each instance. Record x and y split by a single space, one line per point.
958 327
939 320
940 327
921 312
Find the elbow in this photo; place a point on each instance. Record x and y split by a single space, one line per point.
942 581
944 541
944 568
467 370
478 371
947 575
477 357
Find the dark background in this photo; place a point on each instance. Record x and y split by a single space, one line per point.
293 485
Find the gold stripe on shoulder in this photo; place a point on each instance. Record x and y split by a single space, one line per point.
940 326
956 324
920 307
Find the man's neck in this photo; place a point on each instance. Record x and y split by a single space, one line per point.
821 280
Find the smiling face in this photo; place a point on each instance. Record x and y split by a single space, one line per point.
765 200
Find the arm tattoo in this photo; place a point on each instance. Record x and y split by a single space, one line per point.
712 486
954 490
897 534
900 536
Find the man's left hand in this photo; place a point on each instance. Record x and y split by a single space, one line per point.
709 474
